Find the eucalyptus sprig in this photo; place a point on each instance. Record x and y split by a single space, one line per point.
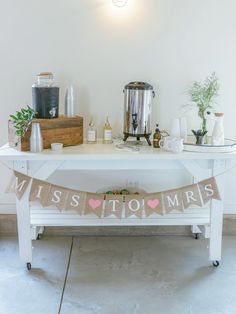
22 119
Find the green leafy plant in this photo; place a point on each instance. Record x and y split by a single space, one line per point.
22 119
203 94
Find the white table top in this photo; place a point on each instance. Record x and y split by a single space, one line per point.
107 152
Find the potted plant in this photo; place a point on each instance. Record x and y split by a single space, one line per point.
19 124
203 95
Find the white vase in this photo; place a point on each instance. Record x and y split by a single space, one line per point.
218 136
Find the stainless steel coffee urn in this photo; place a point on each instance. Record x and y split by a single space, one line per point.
137 112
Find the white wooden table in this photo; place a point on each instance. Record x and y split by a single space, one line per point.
31 219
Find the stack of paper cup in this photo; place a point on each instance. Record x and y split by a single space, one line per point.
70 100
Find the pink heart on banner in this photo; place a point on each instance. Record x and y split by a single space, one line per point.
153 203
94 203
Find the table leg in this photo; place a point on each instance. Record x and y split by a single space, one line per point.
23 218
217 215
24 230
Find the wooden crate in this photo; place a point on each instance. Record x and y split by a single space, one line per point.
68 131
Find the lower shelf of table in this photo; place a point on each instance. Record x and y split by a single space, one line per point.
53 217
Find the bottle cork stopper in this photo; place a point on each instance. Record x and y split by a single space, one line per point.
219 114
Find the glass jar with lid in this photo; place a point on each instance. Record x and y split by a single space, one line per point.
45 94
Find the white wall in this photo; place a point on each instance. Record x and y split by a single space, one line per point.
167 43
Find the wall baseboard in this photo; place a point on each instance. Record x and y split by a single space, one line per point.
7 209
230 209
8 227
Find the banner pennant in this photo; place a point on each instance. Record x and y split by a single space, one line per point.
153 204
173 200
76 201
191 196
113 206
18 184
133 206
39 192
57 197
94 204
209 190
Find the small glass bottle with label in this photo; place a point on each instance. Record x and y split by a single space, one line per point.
91 133
157 137
107 132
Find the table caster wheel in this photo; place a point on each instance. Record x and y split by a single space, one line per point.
28 265
196 236
39 237
216 263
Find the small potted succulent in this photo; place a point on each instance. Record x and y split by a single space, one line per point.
19 124
203 95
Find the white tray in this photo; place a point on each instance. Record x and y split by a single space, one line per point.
190 146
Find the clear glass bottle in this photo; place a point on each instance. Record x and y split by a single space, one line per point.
91 133
107 132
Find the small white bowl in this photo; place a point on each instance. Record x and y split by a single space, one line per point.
56 147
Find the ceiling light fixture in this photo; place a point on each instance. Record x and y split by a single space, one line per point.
119 3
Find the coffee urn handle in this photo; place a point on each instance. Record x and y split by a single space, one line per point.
153 94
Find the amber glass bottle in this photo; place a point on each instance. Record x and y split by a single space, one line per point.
156 137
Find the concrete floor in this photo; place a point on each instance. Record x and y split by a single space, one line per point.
118 275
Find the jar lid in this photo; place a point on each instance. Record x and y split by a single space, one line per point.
45 75
139 85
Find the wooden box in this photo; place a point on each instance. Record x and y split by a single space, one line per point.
68 131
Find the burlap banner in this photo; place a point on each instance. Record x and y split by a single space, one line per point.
140 206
